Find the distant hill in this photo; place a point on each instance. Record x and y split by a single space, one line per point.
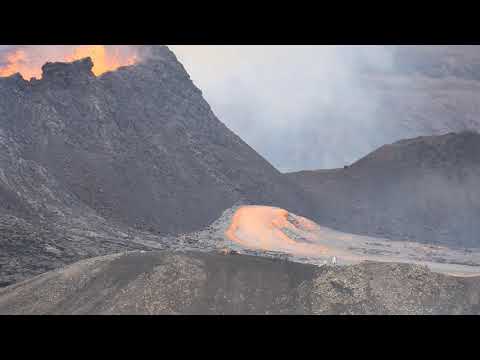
423 189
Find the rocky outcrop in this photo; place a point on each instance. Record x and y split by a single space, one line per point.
68 74
381 288
201 283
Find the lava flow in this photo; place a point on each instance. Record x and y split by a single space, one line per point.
28 60
274 229
264 228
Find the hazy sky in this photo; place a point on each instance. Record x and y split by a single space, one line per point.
301 107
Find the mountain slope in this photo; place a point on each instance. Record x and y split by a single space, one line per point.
86 160
423 189
139 145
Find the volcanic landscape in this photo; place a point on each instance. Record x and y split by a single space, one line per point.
121 192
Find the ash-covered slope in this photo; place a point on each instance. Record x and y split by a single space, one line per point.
201 283
423 189
83 158
42 224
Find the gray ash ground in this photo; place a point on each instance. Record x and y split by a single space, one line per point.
207 283
348 248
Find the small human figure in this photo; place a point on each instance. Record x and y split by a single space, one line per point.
227 251
334 260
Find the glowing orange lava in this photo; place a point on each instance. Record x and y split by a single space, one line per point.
274 229
262 227
17 62
103 61
26 62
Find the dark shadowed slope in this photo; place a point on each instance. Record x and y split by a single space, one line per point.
201 283
423 189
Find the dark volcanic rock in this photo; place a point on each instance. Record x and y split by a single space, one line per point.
68 74
201 283
423 189
383 288
137 147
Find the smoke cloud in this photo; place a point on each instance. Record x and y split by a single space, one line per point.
301 107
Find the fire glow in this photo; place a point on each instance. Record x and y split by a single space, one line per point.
28 60
16 62
262 227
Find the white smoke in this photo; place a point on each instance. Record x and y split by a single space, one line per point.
299 106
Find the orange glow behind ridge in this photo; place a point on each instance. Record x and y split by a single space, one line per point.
17 62
104 59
